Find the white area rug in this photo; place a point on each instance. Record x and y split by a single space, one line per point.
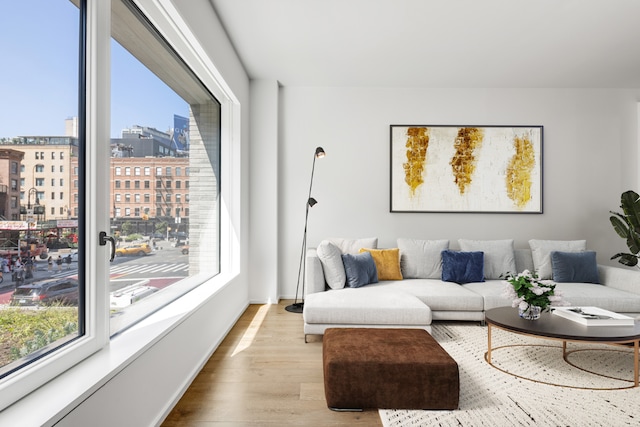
489 397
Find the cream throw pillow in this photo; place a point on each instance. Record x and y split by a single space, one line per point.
421 259
332 266
541 253
499 256
353 246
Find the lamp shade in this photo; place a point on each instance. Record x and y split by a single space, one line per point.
320 152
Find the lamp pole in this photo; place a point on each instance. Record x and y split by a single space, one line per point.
297 307
30 217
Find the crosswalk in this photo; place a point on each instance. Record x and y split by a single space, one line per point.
130 268
149 268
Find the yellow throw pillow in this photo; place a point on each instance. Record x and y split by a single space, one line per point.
387 263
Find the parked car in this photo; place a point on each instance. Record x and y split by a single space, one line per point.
46 292
58 244
130 295
139 249
179 235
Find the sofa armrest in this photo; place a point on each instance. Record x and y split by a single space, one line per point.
314 274
620 278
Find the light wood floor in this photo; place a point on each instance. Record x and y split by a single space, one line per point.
263 374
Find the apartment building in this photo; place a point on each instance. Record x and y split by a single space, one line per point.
42 173
10 161
45 174
145 191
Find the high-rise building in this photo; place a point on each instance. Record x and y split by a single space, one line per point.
71 127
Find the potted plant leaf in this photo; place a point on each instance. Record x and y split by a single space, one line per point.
627 225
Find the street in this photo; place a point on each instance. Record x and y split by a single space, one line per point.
160 268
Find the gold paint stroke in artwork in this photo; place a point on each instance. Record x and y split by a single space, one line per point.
463 163
519 172
417 143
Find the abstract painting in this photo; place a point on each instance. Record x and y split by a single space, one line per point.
466 168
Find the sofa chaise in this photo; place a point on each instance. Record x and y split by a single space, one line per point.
416 283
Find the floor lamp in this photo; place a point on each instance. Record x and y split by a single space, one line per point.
297 307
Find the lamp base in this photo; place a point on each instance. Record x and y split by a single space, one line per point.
295 307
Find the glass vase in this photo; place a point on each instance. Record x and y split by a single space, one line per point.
532 312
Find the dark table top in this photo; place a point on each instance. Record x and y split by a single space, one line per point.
554 326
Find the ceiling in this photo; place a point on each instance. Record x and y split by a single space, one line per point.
437 43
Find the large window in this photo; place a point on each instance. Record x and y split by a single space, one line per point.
165 108
40 313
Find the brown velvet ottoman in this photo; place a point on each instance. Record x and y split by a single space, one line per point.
387 369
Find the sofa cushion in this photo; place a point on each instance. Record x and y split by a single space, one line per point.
371 305
462 267
387 263
594 295
439 295
491 292
541 253
421 259
576 267
499 256
359 269
575 294
353 246
332 266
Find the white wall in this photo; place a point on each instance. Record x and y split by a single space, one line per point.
263 180
589 158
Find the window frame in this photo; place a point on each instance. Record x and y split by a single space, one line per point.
76 381
93 314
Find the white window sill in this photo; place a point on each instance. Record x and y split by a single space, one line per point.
59 396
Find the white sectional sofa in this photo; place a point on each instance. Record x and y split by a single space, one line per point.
416 302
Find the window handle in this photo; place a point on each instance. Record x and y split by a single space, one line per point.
103 241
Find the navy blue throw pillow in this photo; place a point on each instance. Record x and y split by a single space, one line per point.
574 267
462 267
360 269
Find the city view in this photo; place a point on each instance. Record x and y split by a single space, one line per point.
42 193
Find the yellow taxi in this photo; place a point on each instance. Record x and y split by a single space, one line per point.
139 249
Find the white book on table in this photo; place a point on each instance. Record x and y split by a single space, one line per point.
594 316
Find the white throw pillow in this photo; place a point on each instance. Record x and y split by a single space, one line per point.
421 259
332 266
353 246
541 250
499 256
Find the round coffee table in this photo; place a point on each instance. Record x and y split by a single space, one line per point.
558 328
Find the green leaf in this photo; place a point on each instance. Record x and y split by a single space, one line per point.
619 226
630 204
626 259
633 242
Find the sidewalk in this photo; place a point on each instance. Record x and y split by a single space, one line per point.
40 272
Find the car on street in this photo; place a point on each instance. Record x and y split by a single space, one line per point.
131 294
64 291
178 235
139 249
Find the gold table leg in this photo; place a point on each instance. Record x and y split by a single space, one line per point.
489 346
636 362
